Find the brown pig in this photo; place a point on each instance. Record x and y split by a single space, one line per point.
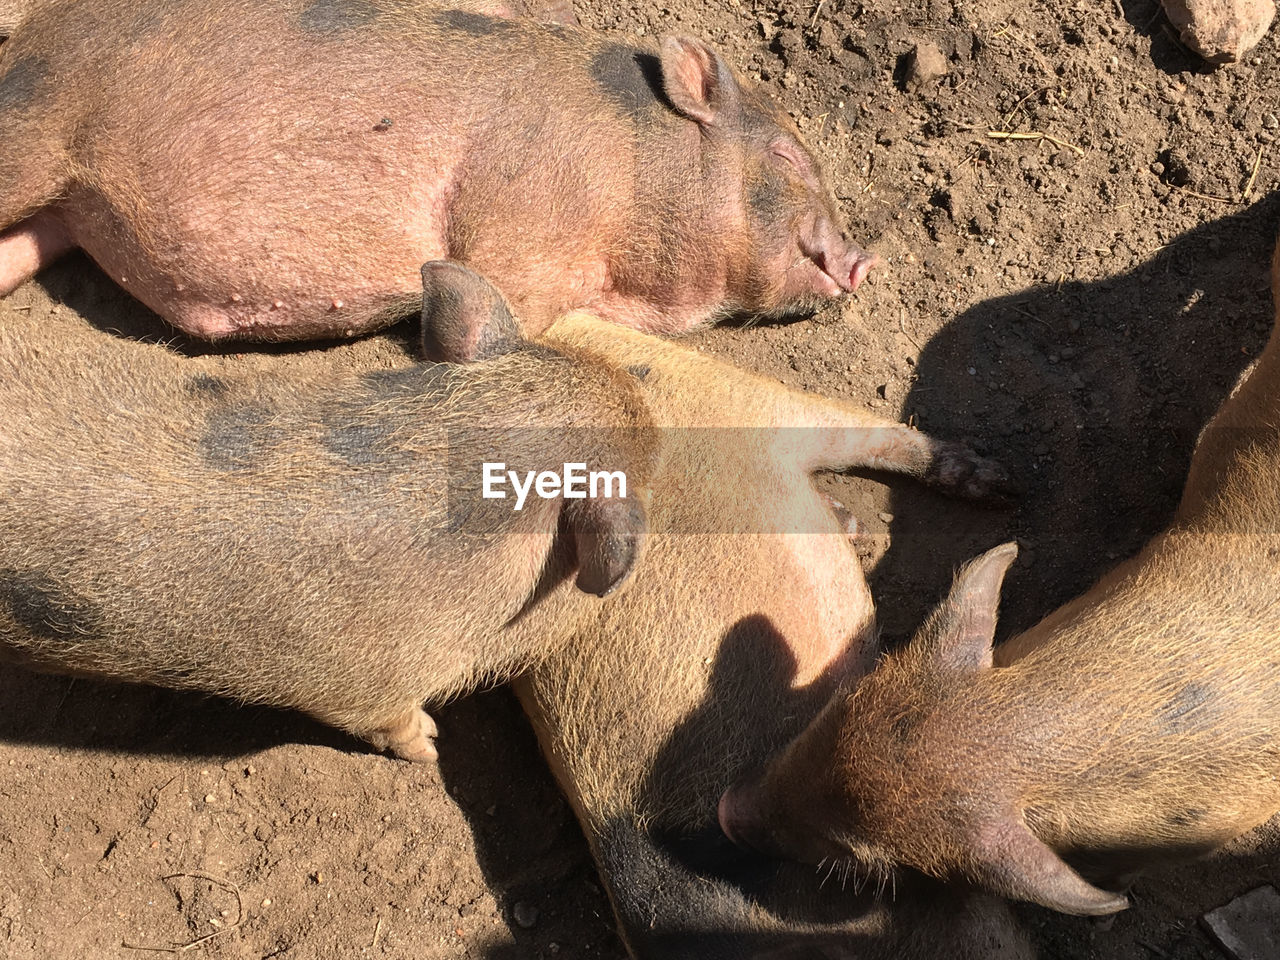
748 607
319 545
1137 724
278 170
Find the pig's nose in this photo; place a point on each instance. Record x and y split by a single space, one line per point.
729 812
861 267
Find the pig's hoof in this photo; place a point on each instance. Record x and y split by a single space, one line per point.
409 738
959 471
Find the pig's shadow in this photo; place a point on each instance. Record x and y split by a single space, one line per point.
679 896
684 895
1093 395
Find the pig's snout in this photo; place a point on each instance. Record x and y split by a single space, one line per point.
739 821
726 813
754 818
843 261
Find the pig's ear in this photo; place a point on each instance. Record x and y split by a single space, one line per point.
1014 862
962 629
464 317
696 80
607 535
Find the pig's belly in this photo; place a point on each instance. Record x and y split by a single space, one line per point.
824 606
282 277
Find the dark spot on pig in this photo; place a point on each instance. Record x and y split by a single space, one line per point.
1187 710
360 443
765 196
631 78
476 24
234 437
335 16
639 370
20 82
206 385
1188 817
47 609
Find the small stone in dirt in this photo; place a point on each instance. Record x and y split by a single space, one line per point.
524 914
925 63
1248 928
1221 31
886 517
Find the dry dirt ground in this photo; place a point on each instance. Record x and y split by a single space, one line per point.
1076 305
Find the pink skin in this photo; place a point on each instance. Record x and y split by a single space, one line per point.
29 247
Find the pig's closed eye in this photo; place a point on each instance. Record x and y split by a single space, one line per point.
786 156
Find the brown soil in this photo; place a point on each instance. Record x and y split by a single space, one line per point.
1077 306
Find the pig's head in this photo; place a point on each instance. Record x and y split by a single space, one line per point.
897 771
792 251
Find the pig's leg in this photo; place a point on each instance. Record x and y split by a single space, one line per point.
409 736
28 247
844 438
810 431
951 467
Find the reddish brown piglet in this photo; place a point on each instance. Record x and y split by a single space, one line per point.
1137 724
245 194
